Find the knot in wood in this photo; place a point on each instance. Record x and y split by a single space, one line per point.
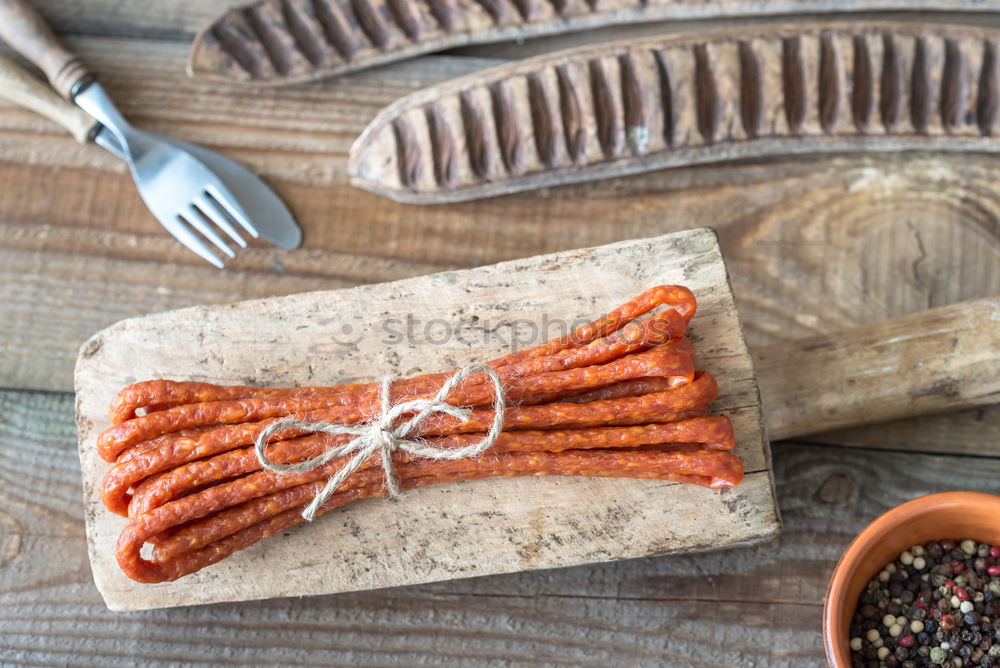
837 489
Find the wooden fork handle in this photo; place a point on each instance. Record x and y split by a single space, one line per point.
26 31
19 86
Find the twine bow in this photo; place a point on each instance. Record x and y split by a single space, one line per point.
379 435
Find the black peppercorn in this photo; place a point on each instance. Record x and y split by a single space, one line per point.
937 604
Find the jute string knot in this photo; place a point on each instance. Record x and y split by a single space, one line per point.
381 435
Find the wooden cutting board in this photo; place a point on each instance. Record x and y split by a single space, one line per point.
424 324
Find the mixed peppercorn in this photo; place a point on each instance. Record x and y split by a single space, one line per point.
937 604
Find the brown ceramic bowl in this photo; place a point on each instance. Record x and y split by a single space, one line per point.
949 515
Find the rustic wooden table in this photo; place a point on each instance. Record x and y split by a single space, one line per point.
813 245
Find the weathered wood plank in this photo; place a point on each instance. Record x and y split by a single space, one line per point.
175 19
426 324
758 604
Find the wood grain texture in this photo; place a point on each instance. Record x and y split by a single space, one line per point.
694 98
970 432
753 605
813 246
181 20
291 41
924 363
167 19
429 323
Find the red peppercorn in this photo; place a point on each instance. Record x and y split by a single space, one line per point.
948 545
995 552
908 641
949 583
957 567
994 571
962 593
948 622
921 603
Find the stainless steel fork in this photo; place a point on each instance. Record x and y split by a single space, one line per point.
183 194
187 197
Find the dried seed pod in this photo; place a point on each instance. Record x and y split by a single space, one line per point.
287 41
633 106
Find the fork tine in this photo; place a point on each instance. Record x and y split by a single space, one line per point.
234 211
184 234
195 219
212 211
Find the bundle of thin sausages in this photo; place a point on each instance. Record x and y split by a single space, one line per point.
617 397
